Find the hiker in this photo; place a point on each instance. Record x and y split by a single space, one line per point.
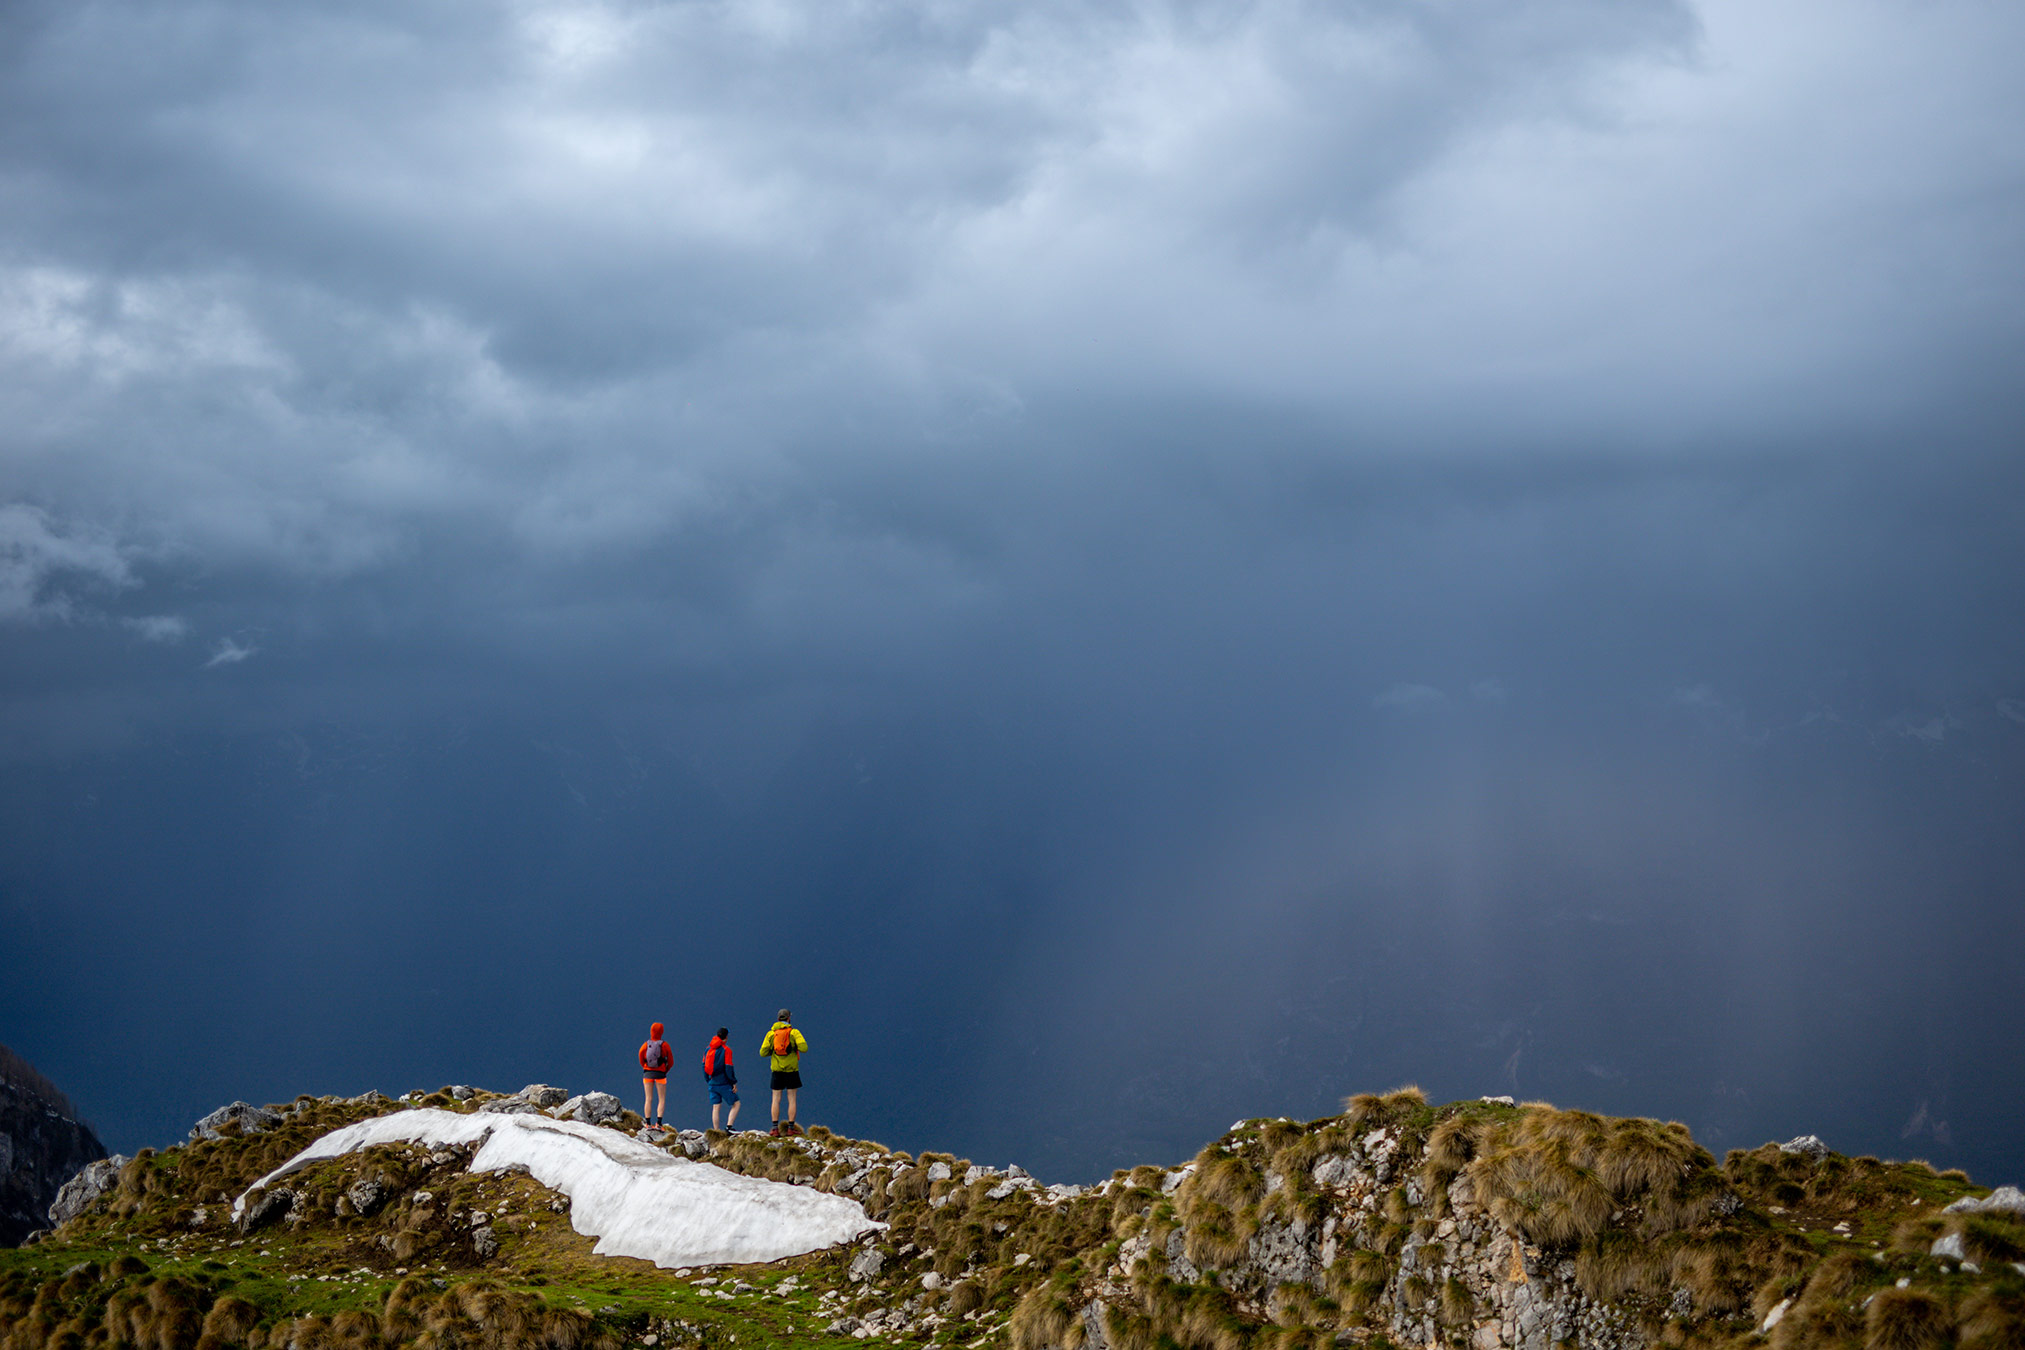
784 1045
655 1057
723 1080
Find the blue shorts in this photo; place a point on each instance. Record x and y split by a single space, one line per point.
723 1094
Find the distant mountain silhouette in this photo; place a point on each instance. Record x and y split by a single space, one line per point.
42 1145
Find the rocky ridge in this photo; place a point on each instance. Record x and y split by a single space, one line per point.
1473 1225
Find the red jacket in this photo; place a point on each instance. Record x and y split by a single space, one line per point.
655 1043
717 1063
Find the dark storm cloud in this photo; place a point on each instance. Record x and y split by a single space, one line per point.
580 271
1475 542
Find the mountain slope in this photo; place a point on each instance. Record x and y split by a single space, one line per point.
1476 1224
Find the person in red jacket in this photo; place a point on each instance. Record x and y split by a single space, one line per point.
723 1081
655 1057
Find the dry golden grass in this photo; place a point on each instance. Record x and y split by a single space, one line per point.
1368 1110
1043 1319
1458 1305
1558 1177
1991 1317
1906 1319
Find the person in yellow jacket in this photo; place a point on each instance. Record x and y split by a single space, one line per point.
784 1046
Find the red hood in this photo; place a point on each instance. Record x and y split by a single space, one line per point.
654 1032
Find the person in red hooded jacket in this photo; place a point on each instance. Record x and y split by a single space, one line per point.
722 1080
655 1057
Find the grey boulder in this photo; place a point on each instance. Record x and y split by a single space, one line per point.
2003 1200
88 1185
592 1108
238 1118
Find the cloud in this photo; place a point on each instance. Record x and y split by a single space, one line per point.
1698 696
1929 729
580 274
1410 697
1488 691
158 627
44 565
230 652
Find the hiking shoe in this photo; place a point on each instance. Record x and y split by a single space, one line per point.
791 1128
775 1131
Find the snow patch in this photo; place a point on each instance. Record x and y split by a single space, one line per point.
635 1199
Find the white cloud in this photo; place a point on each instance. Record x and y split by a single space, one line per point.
158 627
1699 696
42 564
230 652
1410 697
1489 691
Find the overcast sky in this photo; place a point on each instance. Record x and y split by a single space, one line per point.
1137 563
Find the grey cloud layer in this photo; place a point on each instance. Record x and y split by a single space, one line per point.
282 281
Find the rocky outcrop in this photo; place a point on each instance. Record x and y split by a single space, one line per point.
237 1118
592 1108
43 1144
88 1185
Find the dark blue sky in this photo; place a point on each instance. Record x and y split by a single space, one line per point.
1136 566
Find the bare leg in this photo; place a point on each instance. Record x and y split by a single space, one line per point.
662 1114
792 1094
776 1106
647 1106
732 1124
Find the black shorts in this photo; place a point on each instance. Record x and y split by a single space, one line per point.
654 1075
786 1078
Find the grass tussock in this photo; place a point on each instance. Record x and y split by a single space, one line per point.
1376 1110
1992 1317
1043 1320
1559 1177
1906 1319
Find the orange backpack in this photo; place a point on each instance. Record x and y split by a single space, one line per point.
783 1042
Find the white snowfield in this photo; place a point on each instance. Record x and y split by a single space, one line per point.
635 1199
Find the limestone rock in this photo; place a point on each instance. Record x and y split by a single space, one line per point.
867 1264
1178 1264
592 1108
237 1118
88 1185
1333 1171
1807 1144
272 1205
2005 1199
484 1242
367 1194
542 1095
1096 1330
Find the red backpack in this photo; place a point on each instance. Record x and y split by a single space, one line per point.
783 1042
